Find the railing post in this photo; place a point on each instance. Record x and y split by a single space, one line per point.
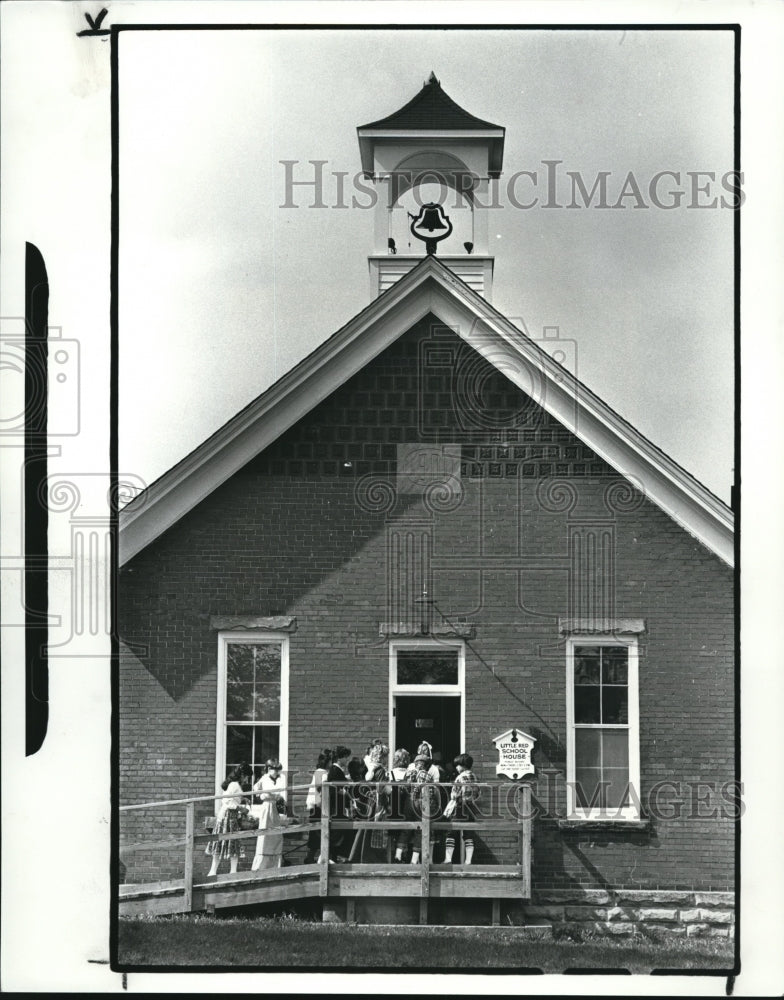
518 800
525 845
326 808
190 816
387 830
425 889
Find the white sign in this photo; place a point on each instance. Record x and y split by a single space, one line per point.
515 749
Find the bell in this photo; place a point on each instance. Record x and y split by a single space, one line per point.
430 218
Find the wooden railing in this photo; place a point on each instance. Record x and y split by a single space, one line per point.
429 823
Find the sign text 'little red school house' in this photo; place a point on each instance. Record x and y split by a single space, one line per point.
430 530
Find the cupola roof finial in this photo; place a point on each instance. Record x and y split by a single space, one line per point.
432 78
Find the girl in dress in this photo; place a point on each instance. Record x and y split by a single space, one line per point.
367 760
400 762
437 773
269 799
313 804
358 791
425 749
420 797
462 806
374 846
339 800
227 812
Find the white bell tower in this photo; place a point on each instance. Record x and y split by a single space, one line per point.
431 163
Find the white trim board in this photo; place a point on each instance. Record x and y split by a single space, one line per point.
456 690
429 288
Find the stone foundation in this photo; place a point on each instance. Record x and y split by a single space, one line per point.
635 911
577 912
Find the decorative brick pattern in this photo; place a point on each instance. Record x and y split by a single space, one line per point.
424 389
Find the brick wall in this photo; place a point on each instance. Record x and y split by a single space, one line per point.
311 528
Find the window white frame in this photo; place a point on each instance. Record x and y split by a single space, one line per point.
256 639
456 690
630 811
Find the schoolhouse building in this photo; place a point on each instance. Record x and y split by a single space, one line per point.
429 529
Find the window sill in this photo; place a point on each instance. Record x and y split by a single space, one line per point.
574 823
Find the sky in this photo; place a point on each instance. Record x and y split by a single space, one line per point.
222 290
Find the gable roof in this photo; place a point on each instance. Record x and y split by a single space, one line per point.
431 108
429 288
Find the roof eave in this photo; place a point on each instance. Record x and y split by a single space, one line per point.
494 137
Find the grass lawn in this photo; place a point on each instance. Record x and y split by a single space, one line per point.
285 943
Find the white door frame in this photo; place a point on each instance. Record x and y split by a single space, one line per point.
426 690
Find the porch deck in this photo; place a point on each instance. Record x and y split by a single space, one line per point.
347 882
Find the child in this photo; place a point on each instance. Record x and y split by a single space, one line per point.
313 804
425 749
419 798
229 808
339 800
378 798
397 805
462 806
270 788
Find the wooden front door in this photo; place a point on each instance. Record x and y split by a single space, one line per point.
435 718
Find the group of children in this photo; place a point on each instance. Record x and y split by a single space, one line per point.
367 789
371 789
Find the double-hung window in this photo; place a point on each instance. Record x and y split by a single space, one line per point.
603 753
252 700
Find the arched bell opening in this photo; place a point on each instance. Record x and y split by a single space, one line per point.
434 166
432 177
455 205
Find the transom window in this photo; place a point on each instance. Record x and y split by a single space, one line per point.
603 743
427 666
252 700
